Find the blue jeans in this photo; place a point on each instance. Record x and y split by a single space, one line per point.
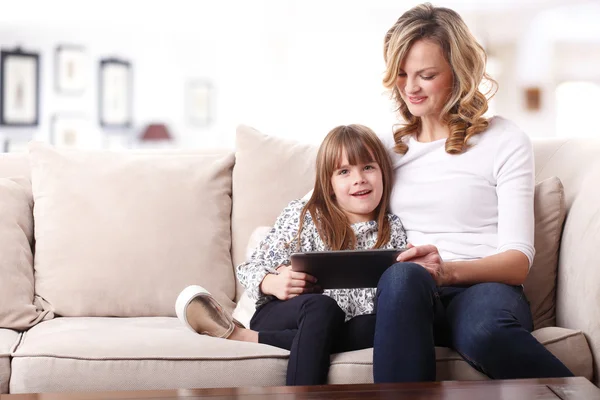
489 324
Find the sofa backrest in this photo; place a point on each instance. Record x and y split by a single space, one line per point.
569 159
14 164
121 234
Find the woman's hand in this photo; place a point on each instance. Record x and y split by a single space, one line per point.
288 283
429 258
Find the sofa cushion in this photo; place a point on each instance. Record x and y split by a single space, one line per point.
18 309
568 345
540 286
8 342
76 354
121 234
245 307
269 172
88 354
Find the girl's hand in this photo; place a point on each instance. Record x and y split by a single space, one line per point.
288 284
429 258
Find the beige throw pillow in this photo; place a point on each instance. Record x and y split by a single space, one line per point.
540 285
245 308
18 308
269 172
121 234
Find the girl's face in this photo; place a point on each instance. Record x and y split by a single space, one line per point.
357 189
425 79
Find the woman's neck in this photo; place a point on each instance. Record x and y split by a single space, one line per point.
432 129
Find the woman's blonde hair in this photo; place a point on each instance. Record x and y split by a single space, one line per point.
466 105
361 146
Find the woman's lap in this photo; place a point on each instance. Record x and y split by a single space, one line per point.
489 324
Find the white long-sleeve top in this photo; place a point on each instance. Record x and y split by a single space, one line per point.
470 205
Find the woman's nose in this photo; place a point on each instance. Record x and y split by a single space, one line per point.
412 86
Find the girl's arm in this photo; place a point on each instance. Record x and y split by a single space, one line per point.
273 251
397 234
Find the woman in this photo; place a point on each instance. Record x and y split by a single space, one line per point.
464 191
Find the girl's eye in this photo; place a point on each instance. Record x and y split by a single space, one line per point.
369 167
343 172
428 78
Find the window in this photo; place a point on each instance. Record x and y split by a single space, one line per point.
577 108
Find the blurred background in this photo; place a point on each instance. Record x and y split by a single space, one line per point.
122 74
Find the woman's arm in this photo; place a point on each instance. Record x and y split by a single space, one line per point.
510 267
515 186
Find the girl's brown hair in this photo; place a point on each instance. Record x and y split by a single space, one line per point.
362 146
466 105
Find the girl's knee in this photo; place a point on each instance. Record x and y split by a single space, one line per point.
323 305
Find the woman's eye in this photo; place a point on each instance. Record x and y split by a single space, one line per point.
402 75
428 78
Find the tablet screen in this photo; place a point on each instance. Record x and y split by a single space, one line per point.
345 269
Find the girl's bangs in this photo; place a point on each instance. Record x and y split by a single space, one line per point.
356 151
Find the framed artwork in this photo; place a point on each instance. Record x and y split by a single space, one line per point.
68 131
533 98
12 146
71 69
115 142
199 102
115 93
20 83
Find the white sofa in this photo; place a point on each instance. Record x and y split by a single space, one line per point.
117 236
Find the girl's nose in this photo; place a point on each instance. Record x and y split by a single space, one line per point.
360 178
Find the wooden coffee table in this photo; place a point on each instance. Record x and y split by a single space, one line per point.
527 389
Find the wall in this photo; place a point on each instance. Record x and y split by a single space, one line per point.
288 68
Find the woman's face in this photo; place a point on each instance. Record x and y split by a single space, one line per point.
425 79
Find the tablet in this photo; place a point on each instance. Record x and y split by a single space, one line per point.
345 269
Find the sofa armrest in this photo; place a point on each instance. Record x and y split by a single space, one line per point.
578 286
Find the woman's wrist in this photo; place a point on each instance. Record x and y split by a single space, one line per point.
451 277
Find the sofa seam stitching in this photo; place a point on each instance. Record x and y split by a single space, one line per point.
145 358
552 156
567 336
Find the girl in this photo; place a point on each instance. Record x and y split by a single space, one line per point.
348 209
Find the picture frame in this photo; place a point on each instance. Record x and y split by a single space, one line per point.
68 131
70 69
199 102
20 83
115 93
13 146
115 142
533 98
